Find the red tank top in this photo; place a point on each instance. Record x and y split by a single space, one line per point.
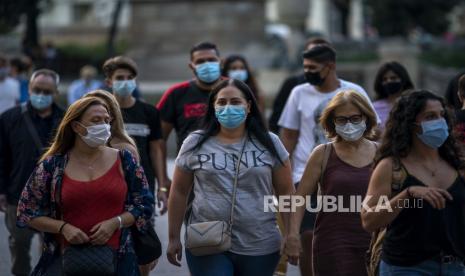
86 203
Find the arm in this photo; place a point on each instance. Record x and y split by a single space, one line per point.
182 184
157 155
289 137
380 185
282 183
3 164
308 185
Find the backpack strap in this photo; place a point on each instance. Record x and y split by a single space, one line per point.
324 162
31 128
398 176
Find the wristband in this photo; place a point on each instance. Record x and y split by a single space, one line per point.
61 227
120 222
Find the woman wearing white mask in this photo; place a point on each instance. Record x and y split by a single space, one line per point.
339 242
233 130
84 194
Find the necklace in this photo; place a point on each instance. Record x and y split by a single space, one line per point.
433 172
87 165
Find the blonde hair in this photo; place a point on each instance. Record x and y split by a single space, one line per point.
65 136
344 98
117 123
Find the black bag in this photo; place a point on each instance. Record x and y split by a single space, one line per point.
88 260
147 246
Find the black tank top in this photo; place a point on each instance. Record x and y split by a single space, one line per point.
418 234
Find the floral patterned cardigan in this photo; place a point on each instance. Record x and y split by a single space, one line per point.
41 197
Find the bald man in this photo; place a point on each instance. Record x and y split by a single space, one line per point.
25 131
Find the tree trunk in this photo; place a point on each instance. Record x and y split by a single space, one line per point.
114 28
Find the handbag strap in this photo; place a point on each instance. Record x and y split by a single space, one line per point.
236 176
30 127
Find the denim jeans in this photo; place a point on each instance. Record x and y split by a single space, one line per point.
426 268
231 264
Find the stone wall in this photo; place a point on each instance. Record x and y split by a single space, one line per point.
163 31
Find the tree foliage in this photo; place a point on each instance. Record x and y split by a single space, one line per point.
398 17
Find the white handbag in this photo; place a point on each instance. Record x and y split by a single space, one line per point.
213 237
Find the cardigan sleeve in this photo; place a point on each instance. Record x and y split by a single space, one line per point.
140 202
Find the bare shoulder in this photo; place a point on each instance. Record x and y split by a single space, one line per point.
126 146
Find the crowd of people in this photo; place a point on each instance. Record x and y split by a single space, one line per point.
88 178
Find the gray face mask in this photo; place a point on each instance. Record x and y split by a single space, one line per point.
351 132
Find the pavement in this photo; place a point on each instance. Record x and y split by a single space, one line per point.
164 268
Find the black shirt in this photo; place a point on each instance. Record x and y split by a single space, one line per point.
18 152
183 105
281 99
421 233
142 123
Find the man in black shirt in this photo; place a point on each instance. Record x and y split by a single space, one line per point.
141 122
184 105
25 131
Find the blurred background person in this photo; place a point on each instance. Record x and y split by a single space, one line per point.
20 69
9 87
85 84
25 132
450 94
391 80
460 113
237 67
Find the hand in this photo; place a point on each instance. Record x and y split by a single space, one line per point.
145 269
3 203
434 196
74 235
162 200
174 252
162 196
292 248
103 231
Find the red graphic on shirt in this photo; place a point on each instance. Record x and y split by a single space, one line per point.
194 110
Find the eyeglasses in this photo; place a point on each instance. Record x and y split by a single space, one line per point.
354 119
42 91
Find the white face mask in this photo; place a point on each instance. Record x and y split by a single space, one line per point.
351 132
97 135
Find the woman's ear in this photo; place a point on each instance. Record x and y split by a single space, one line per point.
249 107
77 128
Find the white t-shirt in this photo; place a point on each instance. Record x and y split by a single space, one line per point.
9 94
302 112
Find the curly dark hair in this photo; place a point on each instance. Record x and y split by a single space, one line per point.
397 140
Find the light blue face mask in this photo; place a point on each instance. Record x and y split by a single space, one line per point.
124 88
40 102
208 72
231 116
435 132
241 75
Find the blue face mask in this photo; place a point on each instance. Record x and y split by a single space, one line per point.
208 72
231 116
40 102
124 88
434 133
241 75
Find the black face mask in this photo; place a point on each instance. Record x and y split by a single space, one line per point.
392 87
314 78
